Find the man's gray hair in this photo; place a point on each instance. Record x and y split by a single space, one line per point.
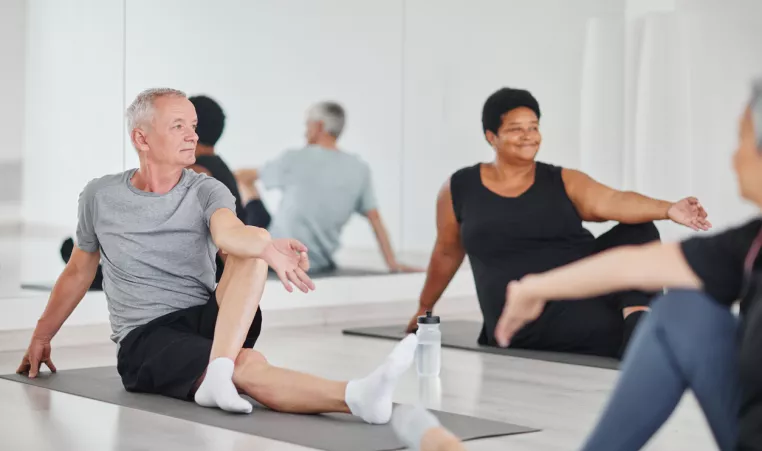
332 116
141 109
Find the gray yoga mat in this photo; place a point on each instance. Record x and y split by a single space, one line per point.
464 334
339 272
346 271
331 432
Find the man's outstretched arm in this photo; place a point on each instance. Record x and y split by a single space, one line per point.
67 293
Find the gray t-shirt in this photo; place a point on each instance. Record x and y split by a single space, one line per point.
156 249
321 189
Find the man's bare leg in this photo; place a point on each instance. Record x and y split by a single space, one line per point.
420 430
238 295
284 390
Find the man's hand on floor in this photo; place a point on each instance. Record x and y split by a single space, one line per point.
37 354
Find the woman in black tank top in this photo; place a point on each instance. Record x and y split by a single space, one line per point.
516 216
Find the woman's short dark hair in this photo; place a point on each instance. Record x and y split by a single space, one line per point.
503 101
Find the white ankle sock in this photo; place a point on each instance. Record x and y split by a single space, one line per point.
411 424
218 390
370 398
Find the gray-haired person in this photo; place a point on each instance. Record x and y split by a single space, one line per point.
322 187
157 229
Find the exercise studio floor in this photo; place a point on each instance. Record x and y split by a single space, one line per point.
561 400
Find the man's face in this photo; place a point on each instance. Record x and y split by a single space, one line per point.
313 131
171 137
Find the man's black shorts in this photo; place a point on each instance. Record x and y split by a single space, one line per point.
168 355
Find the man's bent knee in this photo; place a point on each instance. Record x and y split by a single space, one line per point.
250 360
248 364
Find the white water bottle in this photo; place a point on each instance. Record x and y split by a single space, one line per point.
429 352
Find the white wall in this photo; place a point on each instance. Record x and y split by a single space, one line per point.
631 90
692 67
12 37
12 43
267 61
457 53
73 96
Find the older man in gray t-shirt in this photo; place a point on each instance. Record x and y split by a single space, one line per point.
157 230
162 262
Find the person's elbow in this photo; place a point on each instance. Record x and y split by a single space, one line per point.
601 208
373 215
261 233
237 238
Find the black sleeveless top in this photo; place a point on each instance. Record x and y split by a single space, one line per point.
507 238
221 171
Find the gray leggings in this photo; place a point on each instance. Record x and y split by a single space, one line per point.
687 341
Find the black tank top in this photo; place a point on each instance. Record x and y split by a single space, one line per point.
221 171
507 238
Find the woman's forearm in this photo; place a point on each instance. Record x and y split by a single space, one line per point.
442 268
629 207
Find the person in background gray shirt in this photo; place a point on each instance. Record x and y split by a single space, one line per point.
156 230
322 187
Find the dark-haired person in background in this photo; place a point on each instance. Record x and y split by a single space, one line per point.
516 216
322 187
211 124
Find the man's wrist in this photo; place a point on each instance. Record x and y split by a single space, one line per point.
263 243
43 331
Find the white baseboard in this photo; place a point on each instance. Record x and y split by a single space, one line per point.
336 300
351 315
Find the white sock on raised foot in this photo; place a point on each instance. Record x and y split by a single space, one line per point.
411 424
370 398
218 390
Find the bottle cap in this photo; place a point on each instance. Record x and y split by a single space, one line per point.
428 319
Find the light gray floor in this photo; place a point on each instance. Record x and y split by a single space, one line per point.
562 400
